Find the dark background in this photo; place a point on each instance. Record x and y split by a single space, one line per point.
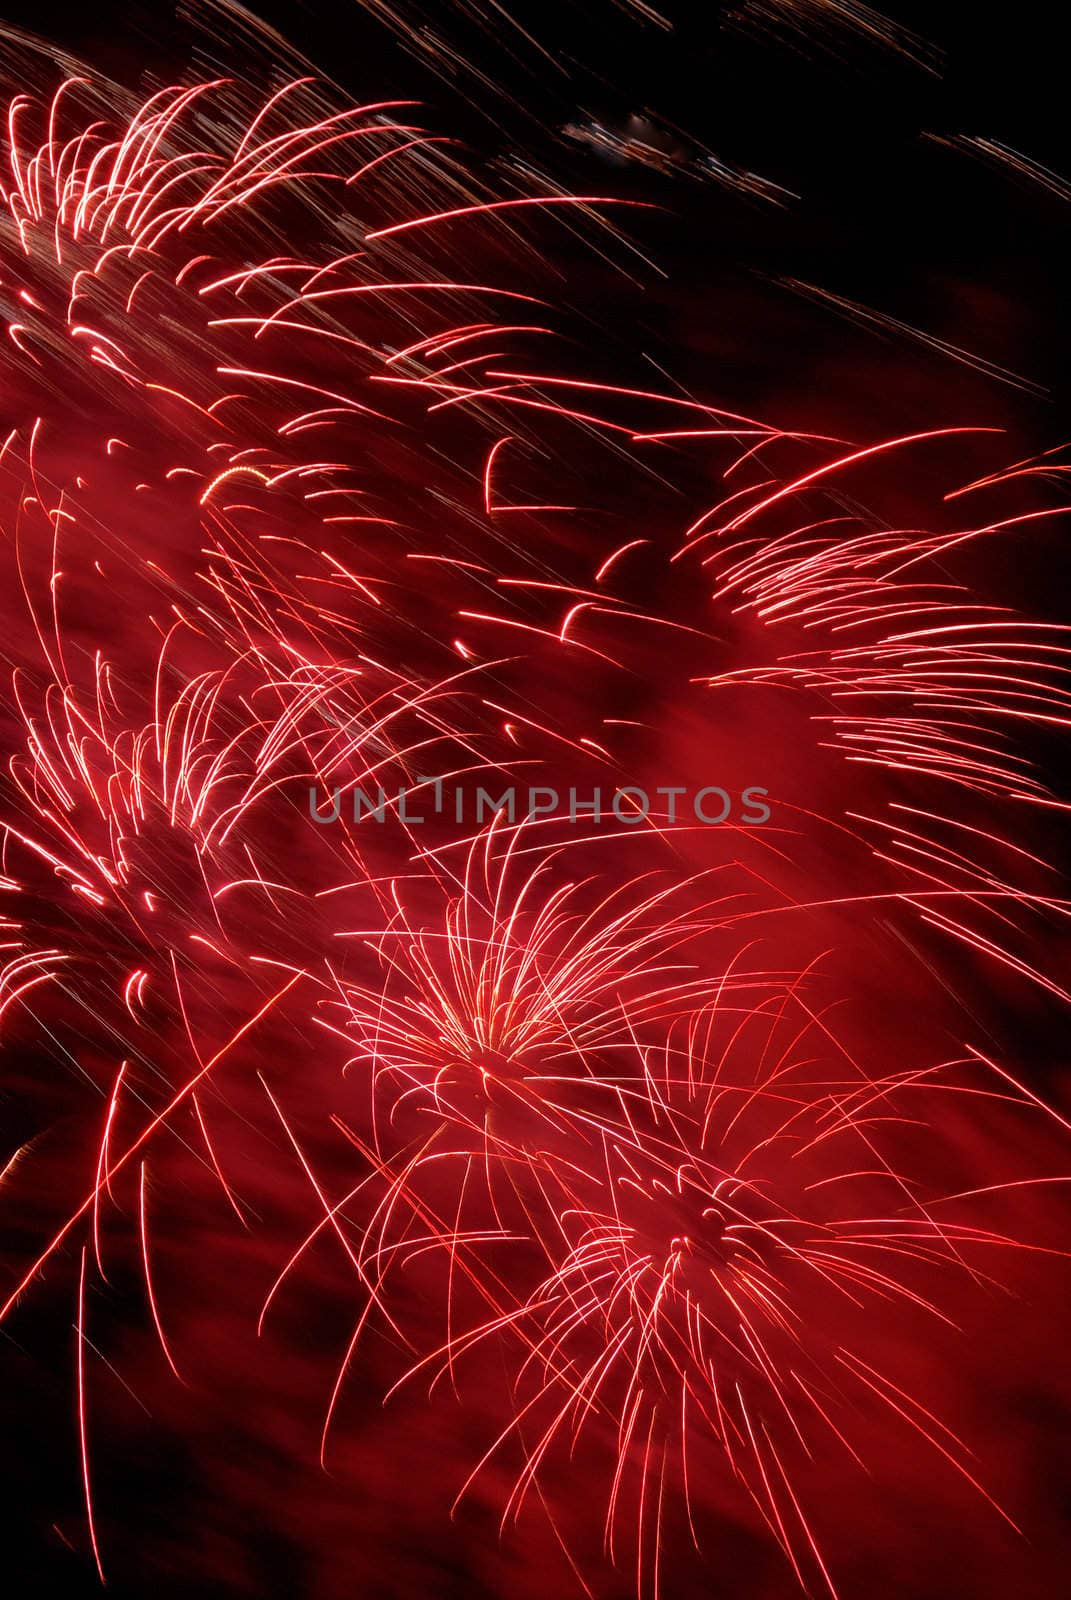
885 216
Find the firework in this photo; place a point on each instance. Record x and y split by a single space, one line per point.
595 1122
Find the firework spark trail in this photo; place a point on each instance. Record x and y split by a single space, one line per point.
706 1210
513 994
580 1103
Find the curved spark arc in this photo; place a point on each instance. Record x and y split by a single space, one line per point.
630 1188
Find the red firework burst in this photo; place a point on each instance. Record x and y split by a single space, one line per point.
605 1147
